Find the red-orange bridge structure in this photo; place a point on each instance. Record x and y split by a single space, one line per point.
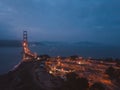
27 54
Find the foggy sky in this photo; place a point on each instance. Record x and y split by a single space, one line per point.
61 20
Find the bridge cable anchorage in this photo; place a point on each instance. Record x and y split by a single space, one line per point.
27 54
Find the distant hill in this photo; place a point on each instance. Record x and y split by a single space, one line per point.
52 43
10 43
90 44
81 44
18 43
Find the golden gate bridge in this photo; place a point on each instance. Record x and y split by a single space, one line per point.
27 54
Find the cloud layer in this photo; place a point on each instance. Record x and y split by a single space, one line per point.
61 20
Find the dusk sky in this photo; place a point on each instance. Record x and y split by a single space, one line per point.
61 20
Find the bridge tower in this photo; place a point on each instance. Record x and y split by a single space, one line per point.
25 44
25 36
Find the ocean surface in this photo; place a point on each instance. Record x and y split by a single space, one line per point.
10 56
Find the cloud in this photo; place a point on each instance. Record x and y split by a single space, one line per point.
70 19
6 31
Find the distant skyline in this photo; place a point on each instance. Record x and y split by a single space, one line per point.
61 20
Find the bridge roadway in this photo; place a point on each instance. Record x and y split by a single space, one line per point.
27 54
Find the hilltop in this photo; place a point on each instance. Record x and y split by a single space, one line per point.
58 73
29 76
